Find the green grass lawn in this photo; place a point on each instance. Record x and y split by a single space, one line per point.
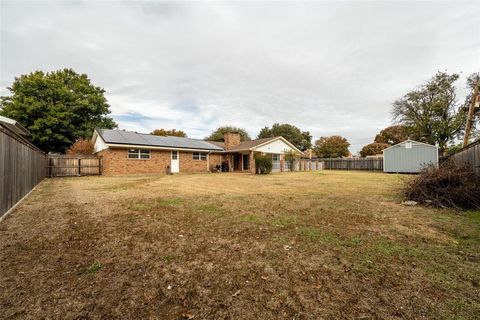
303 245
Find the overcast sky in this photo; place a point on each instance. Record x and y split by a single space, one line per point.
329 68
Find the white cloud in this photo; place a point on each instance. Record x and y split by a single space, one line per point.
330 68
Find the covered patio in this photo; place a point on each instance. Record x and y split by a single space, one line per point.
245 161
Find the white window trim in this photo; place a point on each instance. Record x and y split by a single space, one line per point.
176 153
138 153
202 156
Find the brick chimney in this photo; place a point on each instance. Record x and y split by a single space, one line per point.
231 140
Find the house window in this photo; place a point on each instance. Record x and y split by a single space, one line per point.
408 145
275 157
138 154
199 156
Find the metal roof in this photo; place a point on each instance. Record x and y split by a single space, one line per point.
142 139
220 144
408 140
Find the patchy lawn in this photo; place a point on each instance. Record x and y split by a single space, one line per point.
214 246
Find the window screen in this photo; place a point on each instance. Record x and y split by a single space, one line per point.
199 156
138 154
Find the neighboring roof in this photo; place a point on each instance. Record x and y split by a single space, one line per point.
14 126
141 139
247 145
425 144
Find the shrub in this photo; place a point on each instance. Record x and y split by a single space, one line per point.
263 163
81 147
449 185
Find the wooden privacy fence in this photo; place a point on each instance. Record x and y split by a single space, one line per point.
66 166
372 164
469 155
22 167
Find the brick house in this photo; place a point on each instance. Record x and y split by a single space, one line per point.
127 152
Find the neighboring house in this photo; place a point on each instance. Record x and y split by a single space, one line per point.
409 157
125 152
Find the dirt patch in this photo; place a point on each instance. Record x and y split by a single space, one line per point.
232 246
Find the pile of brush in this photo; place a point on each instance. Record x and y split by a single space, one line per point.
449 185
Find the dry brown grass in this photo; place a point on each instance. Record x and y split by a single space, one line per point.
294 245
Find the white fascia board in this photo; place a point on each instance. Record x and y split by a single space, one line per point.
94 136
275 139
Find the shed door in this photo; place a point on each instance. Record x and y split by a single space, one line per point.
175 166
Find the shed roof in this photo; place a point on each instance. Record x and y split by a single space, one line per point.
142 139
408 140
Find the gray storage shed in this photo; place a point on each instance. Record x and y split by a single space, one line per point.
409 157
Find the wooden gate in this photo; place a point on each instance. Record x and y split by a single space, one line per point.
65 166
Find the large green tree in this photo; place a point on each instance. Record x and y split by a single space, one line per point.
301 139
219 133
332 147
432 112
57 107
172 133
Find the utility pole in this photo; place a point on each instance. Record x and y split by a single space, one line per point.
471 111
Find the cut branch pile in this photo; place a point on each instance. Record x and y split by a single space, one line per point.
449 185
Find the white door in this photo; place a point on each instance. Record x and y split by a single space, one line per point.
175 166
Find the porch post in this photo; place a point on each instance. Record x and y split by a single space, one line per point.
251 163
282 162
230 162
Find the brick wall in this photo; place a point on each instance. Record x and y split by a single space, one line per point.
115 161
187 164
215 159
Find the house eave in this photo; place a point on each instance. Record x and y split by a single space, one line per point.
141 146
274 139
